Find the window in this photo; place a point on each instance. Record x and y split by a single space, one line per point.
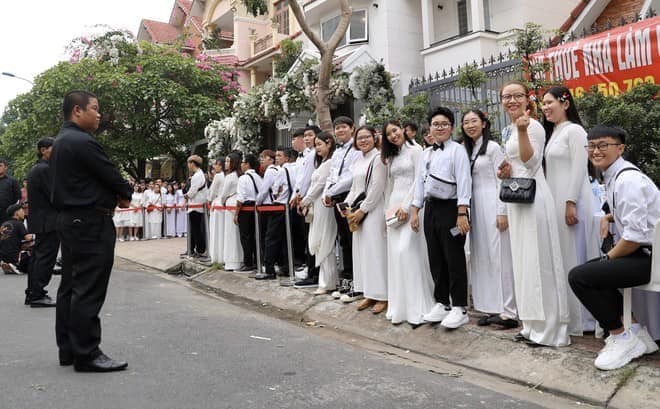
462 17
282 16
357 30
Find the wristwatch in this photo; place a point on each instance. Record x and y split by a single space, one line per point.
605 257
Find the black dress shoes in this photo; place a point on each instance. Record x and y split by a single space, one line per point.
101 363
43 302
264 276
247 268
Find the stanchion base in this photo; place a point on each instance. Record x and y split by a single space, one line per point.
287 282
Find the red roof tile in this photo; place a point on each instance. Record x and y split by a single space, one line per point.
160 32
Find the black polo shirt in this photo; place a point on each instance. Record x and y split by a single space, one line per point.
12 233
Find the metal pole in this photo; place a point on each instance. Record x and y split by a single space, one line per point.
164 221
144 223
289 247
205 216
257 237
188 239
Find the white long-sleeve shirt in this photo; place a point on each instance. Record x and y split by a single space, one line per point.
304 170
448 168
197 191
281 185
246 190
340 178
266 192
634 201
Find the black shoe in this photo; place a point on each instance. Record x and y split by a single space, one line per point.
507 323
247 268
101 363
43 302
485 320
66 358
307 282
519 338
265 276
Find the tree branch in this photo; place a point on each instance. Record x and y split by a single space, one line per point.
340 31
300 17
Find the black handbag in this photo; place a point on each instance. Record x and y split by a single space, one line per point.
518 190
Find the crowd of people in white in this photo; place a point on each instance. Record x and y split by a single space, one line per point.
379 220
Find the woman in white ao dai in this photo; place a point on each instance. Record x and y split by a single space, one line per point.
491 268
410 286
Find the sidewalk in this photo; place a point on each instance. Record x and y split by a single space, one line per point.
565 371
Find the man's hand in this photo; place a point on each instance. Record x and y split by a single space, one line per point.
414 219
327 201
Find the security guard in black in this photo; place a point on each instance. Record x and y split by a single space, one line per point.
86 187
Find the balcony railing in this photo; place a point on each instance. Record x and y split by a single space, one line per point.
221 51
263 43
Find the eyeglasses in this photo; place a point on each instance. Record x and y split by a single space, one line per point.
441 125
471 122
603 146
364 137
517 97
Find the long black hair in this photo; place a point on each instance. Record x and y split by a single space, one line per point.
327 138
234 163
561 94
388 150
485 135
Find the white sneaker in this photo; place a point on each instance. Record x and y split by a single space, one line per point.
121 239
437 313
336 294
350 297
619 351
457 317
649 343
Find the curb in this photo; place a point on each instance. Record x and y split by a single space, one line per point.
568 372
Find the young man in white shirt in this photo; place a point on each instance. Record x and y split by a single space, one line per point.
336 189
249 185
196 196
282 188
634 201
444 189
303 181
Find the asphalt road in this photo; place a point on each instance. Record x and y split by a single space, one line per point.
188 350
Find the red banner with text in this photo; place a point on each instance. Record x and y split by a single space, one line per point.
614 61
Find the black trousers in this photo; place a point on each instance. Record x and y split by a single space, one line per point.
298 236
44 255
275 243
446 252
247 234
345 241
88 247
197 232
596 284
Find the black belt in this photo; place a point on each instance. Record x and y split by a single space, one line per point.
431 199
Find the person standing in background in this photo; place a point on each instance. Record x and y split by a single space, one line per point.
10 192
41 224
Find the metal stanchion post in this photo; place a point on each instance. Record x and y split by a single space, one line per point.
257 237
164 221
289 248
144 223
206 216
188 240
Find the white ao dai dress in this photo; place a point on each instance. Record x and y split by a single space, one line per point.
155 217
323 229
566 173
231 243
137 200
410 286
169 202
491 268
369 241
216 219
539 278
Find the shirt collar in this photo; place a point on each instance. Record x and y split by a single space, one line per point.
613 170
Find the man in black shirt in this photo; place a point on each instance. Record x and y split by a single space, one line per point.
86 187
10 191
13 238
42 224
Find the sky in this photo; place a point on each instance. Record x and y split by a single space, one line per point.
33 34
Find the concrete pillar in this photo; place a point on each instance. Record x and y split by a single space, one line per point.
477 13
253 38
428 35
253 77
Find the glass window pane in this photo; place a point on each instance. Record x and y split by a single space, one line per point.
358 27
328 28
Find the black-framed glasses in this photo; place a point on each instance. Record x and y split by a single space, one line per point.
441 125
603 146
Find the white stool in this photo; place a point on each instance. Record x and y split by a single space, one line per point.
653 285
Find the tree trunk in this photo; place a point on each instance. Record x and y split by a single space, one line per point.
327 51
323 117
